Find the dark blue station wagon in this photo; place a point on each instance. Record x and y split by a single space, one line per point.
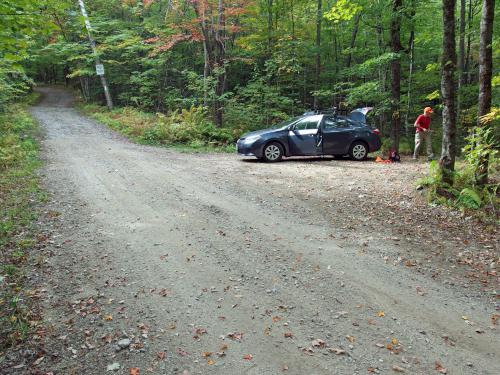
314 134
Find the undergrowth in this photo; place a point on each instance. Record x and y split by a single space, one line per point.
185 130
465 193
19 193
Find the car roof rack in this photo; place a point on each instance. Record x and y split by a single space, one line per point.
329 111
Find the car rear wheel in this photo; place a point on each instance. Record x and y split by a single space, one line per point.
273 152
358 151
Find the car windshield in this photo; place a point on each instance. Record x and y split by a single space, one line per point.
285 123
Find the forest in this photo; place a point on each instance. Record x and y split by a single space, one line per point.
202 72
151 247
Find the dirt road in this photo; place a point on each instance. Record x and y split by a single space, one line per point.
210 264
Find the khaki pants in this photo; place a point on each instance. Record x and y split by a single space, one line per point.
419 138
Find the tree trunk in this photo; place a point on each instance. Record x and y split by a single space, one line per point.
269 26
461 58
449 62
353 39
485 74
396 74
411 50
319 16
469 36
461 45
381 73
220 63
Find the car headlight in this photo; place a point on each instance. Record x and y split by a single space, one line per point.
251 139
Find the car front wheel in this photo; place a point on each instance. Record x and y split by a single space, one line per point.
273 152
358 151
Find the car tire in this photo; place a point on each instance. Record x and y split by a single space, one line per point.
272 152
358 151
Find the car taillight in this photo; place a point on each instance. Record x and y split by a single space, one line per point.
376 131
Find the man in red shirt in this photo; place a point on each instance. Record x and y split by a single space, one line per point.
423 133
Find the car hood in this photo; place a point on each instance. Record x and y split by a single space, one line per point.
260 132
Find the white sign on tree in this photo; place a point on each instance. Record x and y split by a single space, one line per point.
99 68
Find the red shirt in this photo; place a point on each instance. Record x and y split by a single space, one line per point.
423 122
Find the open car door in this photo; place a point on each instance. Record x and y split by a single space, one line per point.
305 137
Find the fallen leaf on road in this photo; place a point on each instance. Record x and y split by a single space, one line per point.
108 317
381 314
199 332
134 371
211 362
276 319
308 351
248 357
318 343
398 369
494 319
350 338
284 368
161 355
337 351
439 368
420 291
206 354
181 352
107 338
288 335
235 336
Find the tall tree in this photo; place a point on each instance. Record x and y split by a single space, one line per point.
461 45
396 74
485 74
448 92
353 39
220 63
319 17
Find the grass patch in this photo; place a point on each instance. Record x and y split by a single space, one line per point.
187 130
19 195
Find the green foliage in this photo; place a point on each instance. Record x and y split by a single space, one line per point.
13 84
483 142
469 198
343 10
18 197
465 193
256 106
370 66
186 126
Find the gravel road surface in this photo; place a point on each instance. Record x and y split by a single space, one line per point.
181 263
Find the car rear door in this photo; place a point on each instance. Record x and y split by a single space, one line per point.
304 138
338 134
